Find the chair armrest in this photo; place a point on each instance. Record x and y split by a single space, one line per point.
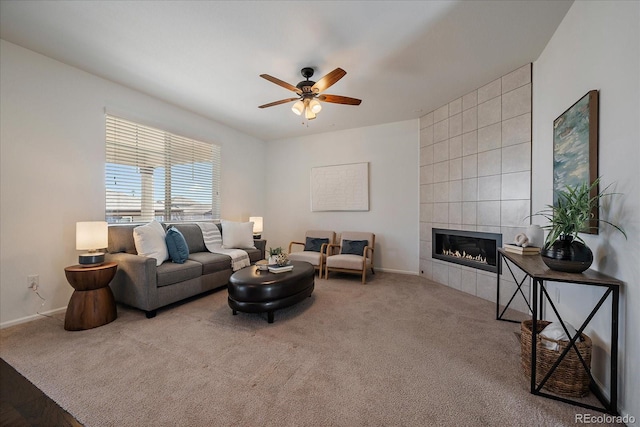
368 253
294 243
331 247
324 248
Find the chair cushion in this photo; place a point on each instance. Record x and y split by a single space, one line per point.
177 246
312 258
354 247
314 244
348 262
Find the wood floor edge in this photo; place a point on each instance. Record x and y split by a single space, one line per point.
24 404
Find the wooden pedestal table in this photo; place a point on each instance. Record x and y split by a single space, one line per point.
92 303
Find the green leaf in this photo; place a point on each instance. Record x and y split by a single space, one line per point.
573 210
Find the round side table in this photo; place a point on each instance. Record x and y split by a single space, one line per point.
92 303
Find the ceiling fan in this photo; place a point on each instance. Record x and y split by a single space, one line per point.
309 92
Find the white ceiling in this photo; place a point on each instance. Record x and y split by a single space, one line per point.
403 59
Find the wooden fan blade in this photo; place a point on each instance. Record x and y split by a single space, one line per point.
281 83
337 99
282 101
328 80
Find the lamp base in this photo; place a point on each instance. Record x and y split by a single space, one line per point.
91 259
257 236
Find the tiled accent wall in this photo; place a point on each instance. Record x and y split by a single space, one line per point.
475 174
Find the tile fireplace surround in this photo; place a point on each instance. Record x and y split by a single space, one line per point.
475 175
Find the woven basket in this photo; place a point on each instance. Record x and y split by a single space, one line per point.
569 378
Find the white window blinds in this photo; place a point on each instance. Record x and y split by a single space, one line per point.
153 174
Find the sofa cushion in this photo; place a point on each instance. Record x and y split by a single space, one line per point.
121 239
149 241
176 245
193 235
353 247
314 244
237 235
170 273
211 263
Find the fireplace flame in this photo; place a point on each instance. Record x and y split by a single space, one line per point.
457 254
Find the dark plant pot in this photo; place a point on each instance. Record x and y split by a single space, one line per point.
567 255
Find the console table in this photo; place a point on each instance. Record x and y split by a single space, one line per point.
534 268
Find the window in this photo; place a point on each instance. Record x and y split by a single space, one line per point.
153 174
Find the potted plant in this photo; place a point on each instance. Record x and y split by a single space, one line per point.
564 249
273 253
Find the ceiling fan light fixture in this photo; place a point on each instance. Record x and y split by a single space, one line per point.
298 107
310 93
315 106
309 114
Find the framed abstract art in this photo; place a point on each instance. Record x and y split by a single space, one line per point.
575 149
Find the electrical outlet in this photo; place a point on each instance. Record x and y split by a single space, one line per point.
33 281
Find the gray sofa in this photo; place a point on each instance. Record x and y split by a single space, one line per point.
140 284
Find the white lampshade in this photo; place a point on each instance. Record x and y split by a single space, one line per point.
298 107
257 224
310 115
315 106
91 235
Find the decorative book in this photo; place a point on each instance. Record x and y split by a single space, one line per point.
283 269
529 250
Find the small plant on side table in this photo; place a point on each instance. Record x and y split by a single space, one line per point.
564 249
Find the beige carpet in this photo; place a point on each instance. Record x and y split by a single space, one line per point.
399 351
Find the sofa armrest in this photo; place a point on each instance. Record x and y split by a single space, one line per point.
135 282
261 245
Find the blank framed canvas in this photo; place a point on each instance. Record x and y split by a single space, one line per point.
340 187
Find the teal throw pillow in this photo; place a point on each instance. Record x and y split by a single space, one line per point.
177 246
353 247
314 244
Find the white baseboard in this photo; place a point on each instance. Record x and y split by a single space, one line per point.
391 270
31 318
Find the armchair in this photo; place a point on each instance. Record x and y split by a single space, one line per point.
314 248
354 254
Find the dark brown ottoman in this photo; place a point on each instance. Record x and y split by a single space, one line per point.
255 291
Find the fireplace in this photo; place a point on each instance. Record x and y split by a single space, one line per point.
471 248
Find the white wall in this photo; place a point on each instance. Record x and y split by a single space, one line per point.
392 151
52 168
597 47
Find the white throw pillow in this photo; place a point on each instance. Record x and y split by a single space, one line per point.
237 235
150 241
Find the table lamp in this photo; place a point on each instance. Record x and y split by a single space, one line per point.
91 236
257 226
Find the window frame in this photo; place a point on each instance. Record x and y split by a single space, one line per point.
174 178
